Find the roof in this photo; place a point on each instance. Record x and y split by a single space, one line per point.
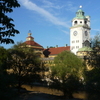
55 51
80 14
80 10
32 43
85 49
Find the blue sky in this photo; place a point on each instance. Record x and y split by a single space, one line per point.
50 20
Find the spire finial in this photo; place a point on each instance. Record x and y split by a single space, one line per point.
80 6
29 33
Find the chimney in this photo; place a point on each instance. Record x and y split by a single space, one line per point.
47 47
56 46
66 45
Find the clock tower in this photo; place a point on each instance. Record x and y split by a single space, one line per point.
79 31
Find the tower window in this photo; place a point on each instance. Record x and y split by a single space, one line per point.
75 22
77 41
73 41
77 47
81 22
86 33
85 22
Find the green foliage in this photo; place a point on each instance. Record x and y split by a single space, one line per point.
67 63
3 59
92 77
7 28
92 84
94 59
6 80
25 64
95 42
67 72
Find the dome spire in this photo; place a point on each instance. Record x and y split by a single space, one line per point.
29 33
29 38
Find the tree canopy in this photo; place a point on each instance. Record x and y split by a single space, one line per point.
3 59
25 64
69 62
7 29
94 59
92 77
95 41
6 80
66 72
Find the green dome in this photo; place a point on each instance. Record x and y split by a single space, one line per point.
80 10
80 14
85 49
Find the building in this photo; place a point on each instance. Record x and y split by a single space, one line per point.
79 31
51 53
34 45
79 38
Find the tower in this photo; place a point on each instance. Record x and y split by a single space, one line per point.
79 31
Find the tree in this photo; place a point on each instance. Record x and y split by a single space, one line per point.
92 84
6 26
6 80
95 41
3 59
25 64
66 73
94 59
92 77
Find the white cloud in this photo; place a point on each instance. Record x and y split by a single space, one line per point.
32 6
57 38
49 4
70 7
98 30
65 31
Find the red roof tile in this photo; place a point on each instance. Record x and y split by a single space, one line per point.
55 51
32 43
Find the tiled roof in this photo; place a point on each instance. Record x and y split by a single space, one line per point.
55 51
32 43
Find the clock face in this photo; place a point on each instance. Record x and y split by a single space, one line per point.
75 33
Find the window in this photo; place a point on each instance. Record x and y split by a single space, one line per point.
81 22
86 33
73 41
85 22
75 22
77 41
77 47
